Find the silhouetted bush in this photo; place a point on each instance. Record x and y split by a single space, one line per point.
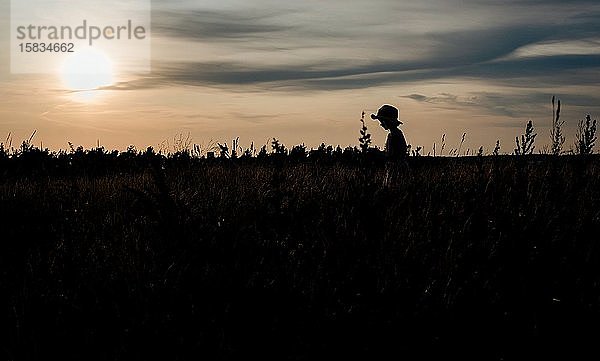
586 136
526 145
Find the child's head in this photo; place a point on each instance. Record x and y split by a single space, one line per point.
387 116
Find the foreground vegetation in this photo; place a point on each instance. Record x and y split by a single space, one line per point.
136 256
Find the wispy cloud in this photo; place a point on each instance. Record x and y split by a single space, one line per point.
309 48
212 25
526 72
531 46
504 104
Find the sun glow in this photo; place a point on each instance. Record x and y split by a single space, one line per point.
86 71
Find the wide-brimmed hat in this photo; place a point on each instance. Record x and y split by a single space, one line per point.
387 113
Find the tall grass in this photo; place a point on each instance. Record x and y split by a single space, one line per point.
144 257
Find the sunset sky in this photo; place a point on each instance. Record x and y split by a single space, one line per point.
303 71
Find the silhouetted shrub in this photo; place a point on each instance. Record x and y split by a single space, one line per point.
526 145
586 136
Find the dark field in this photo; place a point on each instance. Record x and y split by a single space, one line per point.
485 258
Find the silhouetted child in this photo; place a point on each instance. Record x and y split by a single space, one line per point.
395 146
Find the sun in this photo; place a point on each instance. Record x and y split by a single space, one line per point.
87 71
